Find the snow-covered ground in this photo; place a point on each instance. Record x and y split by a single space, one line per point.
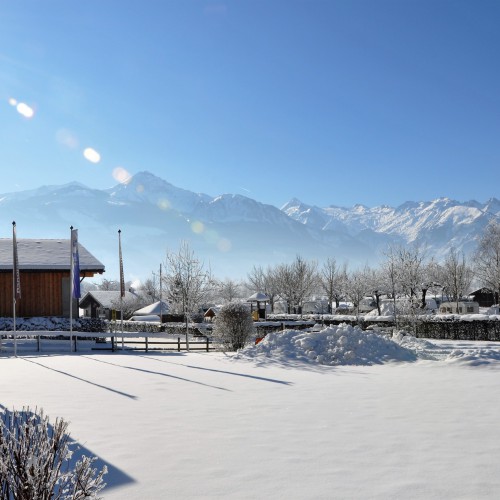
335 413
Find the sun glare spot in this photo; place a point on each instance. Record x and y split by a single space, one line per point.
197 227
12 101
25 110
121 175
211 236
224 245
163 204
92 155
66 138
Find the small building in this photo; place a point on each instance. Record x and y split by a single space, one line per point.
102 303
258 310
159 309
44 271
210 314
460 307
484 296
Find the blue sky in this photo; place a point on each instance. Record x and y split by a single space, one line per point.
333 102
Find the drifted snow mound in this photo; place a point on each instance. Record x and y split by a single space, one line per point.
474 357
333 346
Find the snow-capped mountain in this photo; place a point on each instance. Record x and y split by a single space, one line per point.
436 225
232 233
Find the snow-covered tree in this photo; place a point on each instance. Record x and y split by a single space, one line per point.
296 281
228 290
188 284
457 275
332 278
487 259
264 280
357 286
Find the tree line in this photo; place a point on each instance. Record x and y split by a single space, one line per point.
404 272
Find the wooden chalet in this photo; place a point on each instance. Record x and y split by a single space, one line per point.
44 269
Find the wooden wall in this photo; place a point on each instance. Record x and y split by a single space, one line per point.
41 294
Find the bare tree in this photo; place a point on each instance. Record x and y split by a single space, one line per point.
357 286
108 285
457 275
150 289
229 290
375 281
264 280
332 281
296 281
487 259
187 283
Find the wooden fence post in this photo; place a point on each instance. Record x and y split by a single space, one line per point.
178 344
146 343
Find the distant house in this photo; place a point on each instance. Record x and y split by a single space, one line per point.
44 269
210 314
101 303
158 309
460 307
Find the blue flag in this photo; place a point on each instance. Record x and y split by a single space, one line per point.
15 267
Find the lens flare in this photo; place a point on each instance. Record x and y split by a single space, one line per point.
121 175
224 245
25 110
91 155
139 188
66 138
211 236
163 204
12 101
197 227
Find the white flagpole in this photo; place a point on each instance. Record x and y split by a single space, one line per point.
71 280
122 281
16 283
161 304
75 280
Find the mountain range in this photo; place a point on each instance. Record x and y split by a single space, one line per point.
232 233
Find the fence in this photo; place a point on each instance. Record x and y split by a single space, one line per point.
64 341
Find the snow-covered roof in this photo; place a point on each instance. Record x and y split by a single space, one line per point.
258 297
153 308
105 298
46 254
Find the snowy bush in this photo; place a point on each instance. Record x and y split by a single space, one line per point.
35 460
233 326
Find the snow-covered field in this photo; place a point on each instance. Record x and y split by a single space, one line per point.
332 414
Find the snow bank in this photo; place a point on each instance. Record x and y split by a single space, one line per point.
474 357
333 346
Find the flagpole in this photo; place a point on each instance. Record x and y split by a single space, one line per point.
122 281
161 305
74 279
71 281
16 283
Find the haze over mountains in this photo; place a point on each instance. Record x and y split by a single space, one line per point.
233 232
